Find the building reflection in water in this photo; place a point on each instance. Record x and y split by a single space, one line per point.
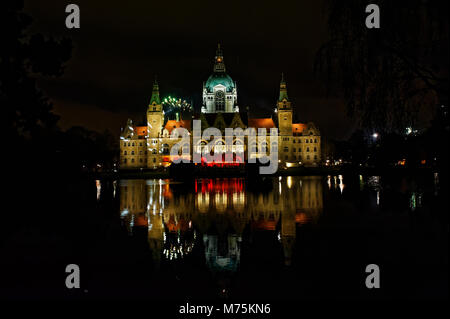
216 211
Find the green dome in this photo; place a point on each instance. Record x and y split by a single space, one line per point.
219 78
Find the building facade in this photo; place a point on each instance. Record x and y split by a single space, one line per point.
149 145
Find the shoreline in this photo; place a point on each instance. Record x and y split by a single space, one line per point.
188 173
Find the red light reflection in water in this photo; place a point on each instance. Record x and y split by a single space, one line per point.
229 185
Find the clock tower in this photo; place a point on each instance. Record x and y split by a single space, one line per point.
284 110
155 116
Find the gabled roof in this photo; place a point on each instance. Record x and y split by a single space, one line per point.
140 130
171 124
228 118
261 123
298 127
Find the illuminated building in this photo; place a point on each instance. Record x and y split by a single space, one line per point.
149 145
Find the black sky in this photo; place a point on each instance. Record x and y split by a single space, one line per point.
121 46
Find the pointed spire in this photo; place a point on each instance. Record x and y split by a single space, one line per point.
283 89
219 65
155 93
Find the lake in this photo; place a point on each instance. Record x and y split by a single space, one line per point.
214 239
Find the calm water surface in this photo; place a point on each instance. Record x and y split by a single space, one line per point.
282 238
289 237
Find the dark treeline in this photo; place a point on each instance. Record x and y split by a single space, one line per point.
44 183
414 149
35 143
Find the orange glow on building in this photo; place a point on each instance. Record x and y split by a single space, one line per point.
261 123
141 130
298 127
171 124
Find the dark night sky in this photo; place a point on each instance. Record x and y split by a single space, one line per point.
121 46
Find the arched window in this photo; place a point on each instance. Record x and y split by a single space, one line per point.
307 149
315 149
286 149
263 147
166 150
125 153
220 101
274 147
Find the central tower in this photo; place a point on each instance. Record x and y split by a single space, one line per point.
219 91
